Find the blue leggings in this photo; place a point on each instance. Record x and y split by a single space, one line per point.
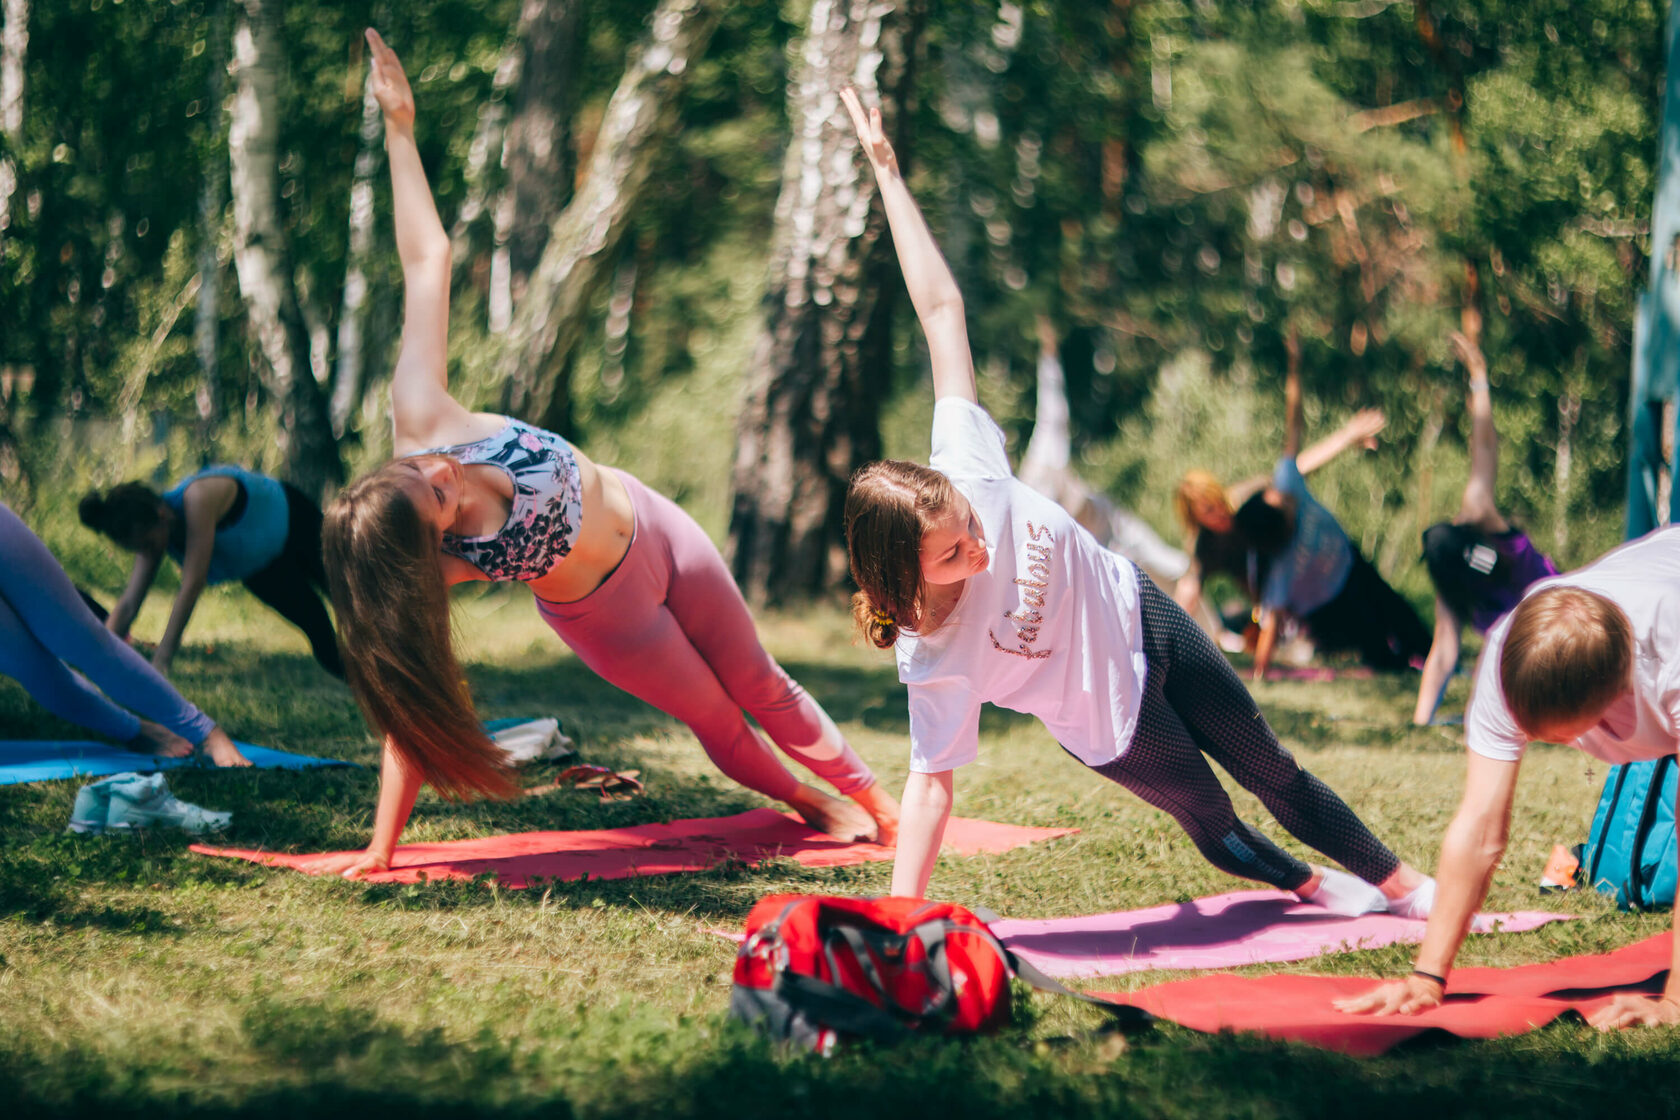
44 624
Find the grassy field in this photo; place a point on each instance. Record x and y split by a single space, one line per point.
137 977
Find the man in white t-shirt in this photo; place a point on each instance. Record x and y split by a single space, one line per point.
1590 658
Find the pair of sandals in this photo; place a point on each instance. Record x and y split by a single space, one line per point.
612 785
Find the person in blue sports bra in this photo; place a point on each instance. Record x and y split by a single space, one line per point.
224 523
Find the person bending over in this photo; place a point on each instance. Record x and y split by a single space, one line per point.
989 592
222 524
626 579
46 627
1303 565
1479 562
1586 659
1207 508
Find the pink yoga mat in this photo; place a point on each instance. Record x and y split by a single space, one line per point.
650 849
1223 931
1481 1002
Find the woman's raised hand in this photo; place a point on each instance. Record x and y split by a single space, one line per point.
1475 363
390 84
871 135
1364 426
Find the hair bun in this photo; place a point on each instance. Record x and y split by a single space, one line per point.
91 509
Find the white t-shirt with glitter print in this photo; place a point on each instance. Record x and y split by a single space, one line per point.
1051 628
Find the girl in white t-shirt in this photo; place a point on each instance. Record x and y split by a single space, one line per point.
1587 658
990 592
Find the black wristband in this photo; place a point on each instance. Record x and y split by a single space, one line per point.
1441 980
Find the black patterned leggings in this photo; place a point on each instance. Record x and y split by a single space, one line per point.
1193 703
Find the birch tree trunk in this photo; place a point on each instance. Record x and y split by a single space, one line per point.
350 376
207 316
14 49
583 240
309 455
812 410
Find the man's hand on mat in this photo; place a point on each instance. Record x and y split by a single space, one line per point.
1630 1009
827 813
883 806
351 865
221 751
1406 996
158 740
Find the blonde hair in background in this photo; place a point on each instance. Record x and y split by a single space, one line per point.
1198 488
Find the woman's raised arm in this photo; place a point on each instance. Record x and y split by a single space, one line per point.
420 400
933 290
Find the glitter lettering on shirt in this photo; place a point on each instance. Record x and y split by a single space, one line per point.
1029 617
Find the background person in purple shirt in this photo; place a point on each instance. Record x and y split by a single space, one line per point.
1479 562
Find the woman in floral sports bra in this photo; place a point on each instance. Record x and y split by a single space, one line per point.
623 575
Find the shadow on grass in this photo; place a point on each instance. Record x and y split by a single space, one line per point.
329 1057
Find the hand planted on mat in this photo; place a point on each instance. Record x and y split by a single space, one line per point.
1631 1009
351 865
1406 996
829 814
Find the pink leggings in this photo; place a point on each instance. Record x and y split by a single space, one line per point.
669 627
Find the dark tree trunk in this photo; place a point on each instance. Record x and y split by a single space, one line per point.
582 244
309 455
537 151
823 363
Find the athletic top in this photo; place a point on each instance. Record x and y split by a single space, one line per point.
1314 567
1527 564
1643 578
547 503
1052 626
250 536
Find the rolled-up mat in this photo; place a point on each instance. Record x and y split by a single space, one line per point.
1480 1003
518 859
1222 931
40 760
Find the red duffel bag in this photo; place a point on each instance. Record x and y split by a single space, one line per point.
813 970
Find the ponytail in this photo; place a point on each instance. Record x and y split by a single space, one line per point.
122 512
394 629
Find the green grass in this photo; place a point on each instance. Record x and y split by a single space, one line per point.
136 977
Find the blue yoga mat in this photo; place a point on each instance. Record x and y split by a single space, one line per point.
38 760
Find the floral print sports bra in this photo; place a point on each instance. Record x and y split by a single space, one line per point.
547 503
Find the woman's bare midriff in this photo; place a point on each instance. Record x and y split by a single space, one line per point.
608 525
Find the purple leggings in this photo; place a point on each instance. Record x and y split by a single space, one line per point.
44 623
669 627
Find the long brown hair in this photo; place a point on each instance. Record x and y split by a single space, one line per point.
1568 654
889 505
394 627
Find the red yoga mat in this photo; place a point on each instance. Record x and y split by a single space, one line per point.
1481 1002
650 849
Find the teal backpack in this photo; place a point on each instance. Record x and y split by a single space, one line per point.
1630 852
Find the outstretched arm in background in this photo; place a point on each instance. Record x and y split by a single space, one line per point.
1438 667
422 411
1360 431
1478 507
933 290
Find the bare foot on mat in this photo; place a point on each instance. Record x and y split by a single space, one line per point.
832 815
221 750
159 740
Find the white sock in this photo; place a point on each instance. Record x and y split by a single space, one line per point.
1416 903
1348 895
